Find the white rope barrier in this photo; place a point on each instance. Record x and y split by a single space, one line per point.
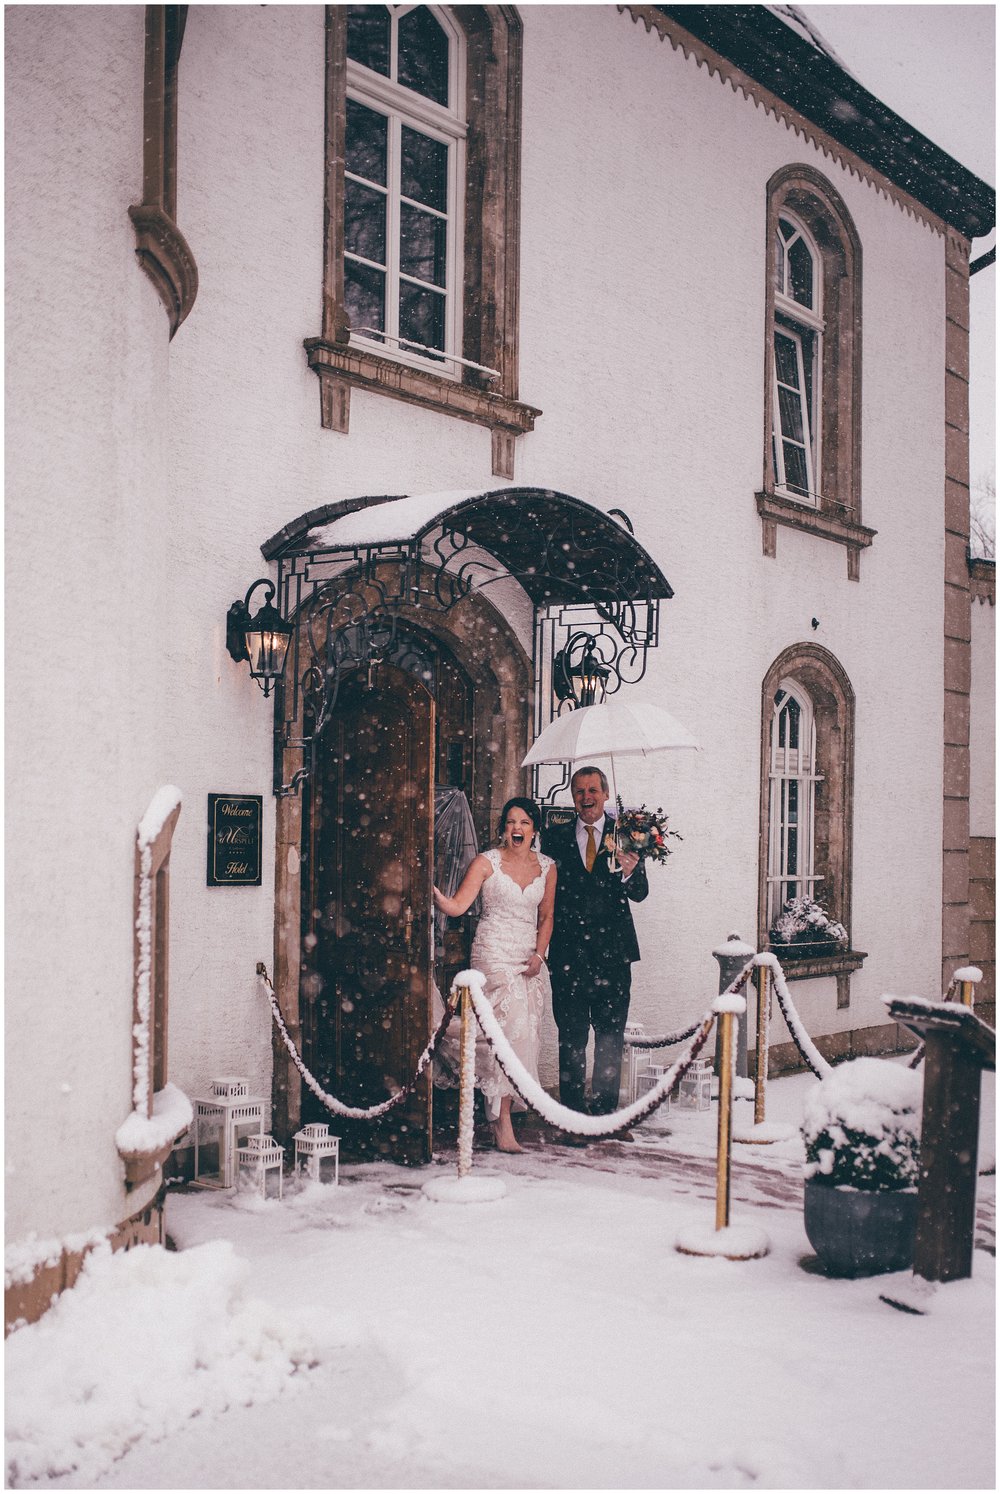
532 1093
335 1106
793 1021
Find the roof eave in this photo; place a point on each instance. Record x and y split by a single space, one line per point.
770 52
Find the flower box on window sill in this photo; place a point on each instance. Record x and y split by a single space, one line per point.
815 957
832 523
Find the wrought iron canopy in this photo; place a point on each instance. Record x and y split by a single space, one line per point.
559 548
350 572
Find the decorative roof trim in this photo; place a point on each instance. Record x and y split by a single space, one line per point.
677 33
983 580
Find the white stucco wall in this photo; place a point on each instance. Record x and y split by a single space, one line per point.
159 471
87 578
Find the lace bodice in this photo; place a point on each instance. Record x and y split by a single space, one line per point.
510 914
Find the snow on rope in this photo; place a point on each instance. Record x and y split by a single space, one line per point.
532 1093
793 1021
335 1106
667 1040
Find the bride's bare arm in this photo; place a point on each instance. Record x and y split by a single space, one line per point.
468 891
546 911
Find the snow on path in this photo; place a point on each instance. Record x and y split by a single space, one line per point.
555 1339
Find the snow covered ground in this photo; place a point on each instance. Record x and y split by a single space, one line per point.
365 1337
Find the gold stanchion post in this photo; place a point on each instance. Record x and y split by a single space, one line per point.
763 1016
967 992
723 1167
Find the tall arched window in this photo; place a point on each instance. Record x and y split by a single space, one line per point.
798 360
792 799
812 463
403 169
807 785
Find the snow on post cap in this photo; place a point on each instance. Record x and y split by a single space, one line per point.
968 972
471 978
734 946
730 1001
161 807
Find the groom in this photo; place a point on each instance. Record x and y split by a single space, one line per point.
593 945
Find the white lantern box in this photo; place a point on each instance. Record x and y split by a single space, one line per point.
259 1157
222 1120
314 1145
230 1089
695 1092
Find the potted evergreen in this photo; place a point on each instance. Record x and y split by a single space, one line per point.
861 1127
804 929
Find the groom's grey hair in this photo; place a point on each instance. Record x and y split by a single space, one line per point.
591 769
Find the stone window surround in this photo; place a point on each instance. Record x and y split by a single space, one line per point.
491 248
804 193
161 248
832 697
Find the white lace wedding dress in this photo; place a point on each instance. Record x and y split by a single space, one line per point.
504 943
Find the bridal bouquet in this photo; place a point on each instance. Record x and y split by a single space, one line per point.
643 831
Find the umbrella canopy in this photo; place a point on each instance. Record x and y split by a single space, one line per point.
617 728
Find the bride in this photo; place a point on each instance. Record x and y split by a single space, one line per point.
518 888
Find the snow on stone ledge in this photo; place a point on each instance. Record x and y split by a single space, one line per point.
140 1135
161 807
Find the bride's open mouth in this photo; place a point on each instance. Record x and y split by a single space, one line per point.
517 838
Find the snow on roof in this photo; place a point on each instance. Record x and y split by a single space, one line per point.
798 22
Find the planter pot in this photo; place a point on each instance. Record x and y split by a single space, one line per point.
806 949
857 1233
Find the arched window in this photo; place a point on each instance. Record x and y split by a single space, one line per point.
798 361
812 464
403 168
792 797
807 785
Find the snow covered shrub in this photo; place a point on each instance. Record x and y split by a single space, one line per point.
801 921
861 1126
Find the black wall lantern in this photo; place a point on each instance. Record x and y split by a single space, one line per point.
578 673
263 639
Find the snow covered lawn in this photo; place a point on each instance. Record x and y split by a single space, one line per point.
365 1337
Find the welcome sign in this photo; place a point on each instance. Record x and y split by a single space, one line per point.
234 826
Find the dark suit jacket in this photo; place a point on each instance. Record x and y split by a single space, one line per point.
592 915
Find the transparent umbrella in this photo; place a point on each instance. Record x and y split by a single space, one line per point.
616 728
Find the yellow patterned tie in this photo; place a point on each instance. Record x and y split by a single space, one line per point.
591 847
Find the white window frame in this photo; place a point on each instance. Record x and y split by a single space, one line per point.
402 106
804 326
791 765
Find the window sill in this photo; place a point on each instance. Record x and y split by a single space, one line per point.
823 522
341 366
809 964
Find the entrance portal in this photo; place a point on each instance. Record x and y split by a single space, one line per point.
367 921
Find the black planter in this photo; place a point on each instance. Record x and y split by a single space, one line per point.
857 1233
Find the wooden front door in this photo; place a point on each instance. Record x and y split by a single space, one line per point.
366 987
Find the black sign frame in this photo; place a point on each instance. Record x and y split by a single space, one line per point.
234 840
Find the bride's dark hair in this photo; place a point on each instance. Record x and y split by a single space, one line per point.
530 808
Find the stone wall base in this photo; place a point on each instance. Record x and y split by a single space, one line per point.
857 1042
25 1302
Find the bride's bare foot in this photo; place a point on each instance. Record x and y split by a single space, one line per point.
504 1137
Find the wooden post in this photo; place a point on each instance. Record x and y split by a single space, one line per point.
959 1047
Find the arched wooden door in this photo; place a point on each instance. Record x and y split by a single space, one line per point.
367 949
